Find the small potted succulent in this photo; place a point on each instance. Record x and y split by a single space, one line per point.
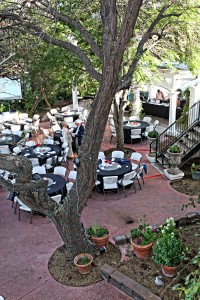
142 238
169 249
98 234
174 158
195 169
83 262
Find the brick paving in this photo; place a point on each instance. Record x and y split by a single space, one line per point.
26 248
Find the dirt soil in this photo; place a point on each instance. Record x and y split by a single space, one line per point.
187 185
142 271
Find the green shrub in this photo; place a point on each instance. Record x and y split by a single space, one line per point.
97 230
84 260
174 149
153 134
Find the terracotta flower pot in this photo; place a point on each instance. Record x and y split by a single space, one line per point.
83 269
169 271
100 241
142 251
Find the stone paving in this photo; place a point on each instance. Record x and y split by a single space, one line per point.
26 248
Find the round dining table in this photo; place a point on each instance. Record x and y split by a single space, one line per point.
9 139
64 115
22 123
56 184
128 126
41 152
118 168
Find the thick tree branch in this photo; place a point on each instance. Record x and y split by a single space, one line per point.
30 28
127 78
69 21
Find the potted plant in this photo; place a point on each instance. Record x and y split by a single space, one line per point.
98 234
152 135
83 262
174 158
142 239
169 249
195 169
174 149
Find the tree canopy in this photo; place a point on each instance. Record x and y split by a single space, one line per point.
99 34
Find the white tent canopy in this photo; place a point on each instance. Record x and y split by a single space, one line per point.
10 89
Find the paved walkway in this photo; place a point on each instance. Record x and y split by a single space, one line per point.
26 248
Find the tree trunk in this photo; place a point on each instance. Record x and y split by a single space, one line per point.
120 103
45 97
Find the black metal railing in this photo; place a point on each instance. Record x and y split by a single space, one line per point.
178 132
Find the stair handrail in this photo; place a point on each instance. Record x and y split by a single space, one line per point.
193 110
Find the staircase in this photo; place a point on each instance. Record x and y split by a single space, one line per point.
184 133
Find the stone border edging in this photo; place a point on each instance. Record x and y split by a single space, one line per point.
183 220
128 285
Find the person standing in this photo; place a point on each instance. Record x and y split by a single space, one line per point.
67 138
160 95
78 133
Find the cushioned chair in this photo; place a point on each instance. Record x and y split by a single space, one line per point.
147 120
135 160
155 124
15 128
56 128
101 155
47 134
136 135
36 117
54 111
17 132
134 118
127 180
69 186
57 198
136 178
34 161
117 154
39 170
72 176
4 149
60 170
110 183
30 143
48 141
16 150
147 130
52 119
22 206
113 133
50 164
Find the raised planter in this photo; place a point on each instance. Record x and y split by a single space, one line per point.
174 160
152 141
